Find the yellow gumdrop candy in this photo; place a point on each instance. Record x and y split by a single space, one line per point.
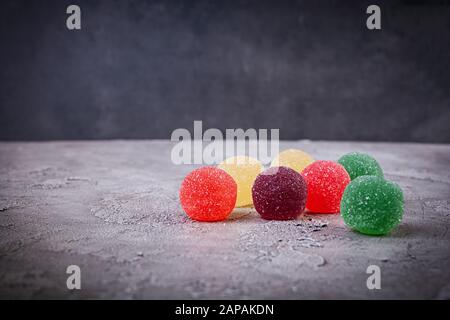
244 171
292 158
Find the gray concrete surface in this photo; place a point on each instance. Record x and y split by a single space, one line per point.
112 208
232 64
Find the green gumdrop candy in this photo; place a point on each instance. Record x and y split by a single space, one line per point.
360 164
372 205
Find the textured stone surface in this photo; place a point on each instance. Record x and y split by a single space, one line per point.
112 208
309 67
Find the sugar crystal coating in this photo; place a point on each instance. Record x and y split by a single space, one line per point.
244 171
326 182
293 158
279 193
372 205
360 164
208 194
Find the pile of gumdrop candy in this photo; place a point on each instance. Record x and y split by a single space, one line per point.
354 186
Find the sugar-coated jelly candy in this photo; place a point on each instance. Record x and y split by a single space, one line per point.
279 193
208 194
292 158
360 164
244 171
326 182
372 205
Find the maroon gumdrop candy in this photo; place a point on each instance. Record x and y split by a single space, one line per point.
279 193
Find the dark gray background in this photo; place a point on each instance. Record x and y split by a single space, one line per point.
140 69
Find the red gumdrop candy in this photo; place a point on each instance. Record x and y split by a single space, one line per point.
279 193
208 194
326 182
